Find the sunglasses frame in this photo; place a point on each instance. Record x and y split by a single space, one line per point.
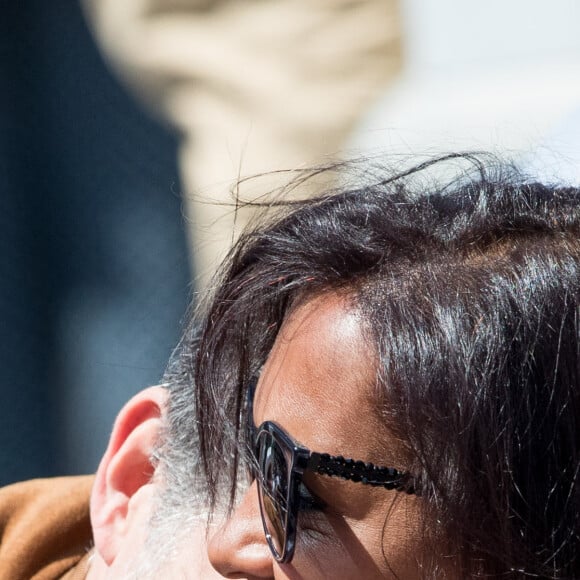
300 459
297 458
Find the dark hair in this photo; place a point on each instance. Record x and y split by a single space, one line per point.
470 294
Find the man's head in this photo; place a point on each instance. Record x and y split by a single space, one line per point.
134 537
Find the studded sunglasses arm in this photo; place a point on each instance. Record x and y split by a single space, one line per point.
359 471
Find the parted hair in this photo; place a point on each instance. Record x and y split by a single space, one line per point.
469 289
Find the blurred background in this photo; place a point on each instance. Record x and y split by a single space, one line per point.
123 126
499 76
94 269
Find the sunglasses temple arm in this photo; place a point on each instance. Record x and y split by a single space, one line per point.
358 471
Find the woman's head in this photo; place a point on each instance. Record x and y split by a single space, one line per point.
321 346
429 328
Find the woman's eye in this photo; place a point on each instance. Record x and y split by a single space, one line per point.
307 501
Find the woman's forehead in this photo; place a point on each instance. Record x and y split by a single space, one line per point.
319 380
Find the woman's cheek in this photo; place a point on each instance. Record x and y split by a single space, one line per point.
330 547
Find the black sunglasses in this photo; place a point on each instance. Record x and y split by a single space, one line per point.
278 466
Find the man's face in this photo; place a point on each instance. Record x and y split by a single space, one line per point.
153 551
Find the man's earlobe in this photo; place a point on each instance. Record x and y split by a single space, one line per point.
126 470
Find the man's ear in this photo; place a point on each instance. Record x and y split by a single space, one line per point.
125 470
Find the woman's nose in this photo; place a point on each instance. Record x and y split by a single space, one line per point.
238 549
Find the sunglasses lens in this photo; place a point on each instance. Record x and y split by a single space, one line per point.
273 491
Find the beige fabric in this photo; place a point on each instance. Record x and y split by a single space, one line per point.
80 570
45 530
253 85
